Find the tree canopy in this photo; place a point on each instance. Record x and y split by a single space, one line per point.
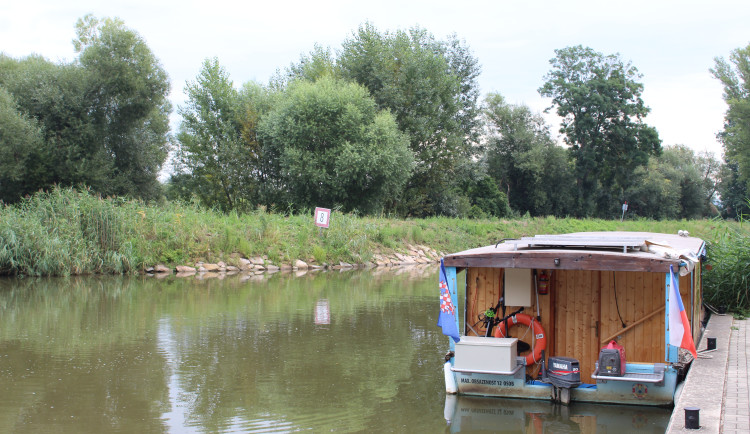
102 120
390 121
333 147
734 75
130 112
524 160
676 184
211 146
430 87
599 100
20 138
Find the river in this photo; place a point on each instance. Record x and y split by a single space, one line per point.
355 351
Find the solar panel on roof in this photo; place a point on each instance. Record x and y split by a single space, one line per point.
587 241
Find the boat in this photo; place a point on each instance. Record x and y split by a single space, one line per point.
586 317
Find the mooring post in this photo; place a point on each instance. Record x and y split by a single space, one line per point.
692 417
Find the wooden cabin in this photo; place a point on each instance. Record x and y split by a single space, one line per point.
602 286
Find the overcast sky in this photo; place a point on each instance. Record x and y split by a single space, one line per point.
672 43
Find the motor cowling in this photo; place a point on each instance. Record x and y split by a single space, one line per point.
564 372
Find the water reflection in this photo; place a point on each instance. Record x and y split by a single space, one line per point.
322 312
496 415
347 352
206 355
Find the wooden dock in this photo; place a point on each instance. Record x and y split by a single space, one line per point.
714 385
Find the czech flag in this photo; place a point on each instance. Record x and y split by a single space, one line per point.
447 318
679 327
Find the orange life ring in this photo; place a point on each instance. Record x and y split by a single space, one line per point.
541 337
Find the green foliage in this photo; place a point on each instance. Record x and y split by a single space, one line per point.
735 76
130 112
673 186
103 119
728 282
20 141
59 98
430 87
487 199
524 160
333 147
599 99
257 101
311 137
62 233
317 64
734 192
319 253
212 155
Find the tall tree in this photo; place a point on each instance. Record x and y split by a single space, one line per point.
599 100
734 74
430 87
210 137
734 193
522 157
332 146
129 91
58 97
20 139
103 119
256 101
710 169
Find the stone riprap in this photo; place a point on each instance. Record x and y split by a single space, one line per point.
410 255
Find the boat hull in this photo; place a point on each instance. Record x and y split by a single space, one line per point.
635 391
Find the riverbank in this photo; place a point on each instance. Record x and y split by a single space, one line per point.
414 256
68 232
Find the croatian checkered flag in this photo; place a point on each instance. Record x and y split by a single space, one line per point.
447 318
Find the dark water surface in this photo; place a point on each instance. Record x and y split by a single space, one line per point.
344 352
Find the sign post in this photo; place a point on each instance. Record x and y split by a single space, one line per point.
624 208
322 217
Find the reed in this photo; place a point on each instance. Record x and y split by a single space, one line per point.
728 282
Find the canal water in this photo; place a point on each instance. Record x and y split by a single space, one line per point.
355 351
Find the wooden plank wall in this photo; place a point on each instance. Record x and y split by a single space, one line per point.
577 305
698 311
624 297
482 292
585 307
629 297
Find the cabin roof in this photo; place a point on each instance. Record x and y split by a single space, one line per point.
618 251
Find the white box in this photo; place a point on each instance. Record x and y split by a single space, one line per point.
475 353
518 287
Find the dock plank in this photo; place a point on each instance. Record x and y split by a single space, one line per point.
707 374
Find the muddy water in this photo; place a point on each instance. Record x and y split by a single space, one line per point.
343 352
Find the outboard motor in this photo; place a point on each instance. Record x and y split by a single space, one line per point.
564 372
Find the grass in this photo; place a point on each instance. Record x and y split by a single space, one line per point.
65 231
